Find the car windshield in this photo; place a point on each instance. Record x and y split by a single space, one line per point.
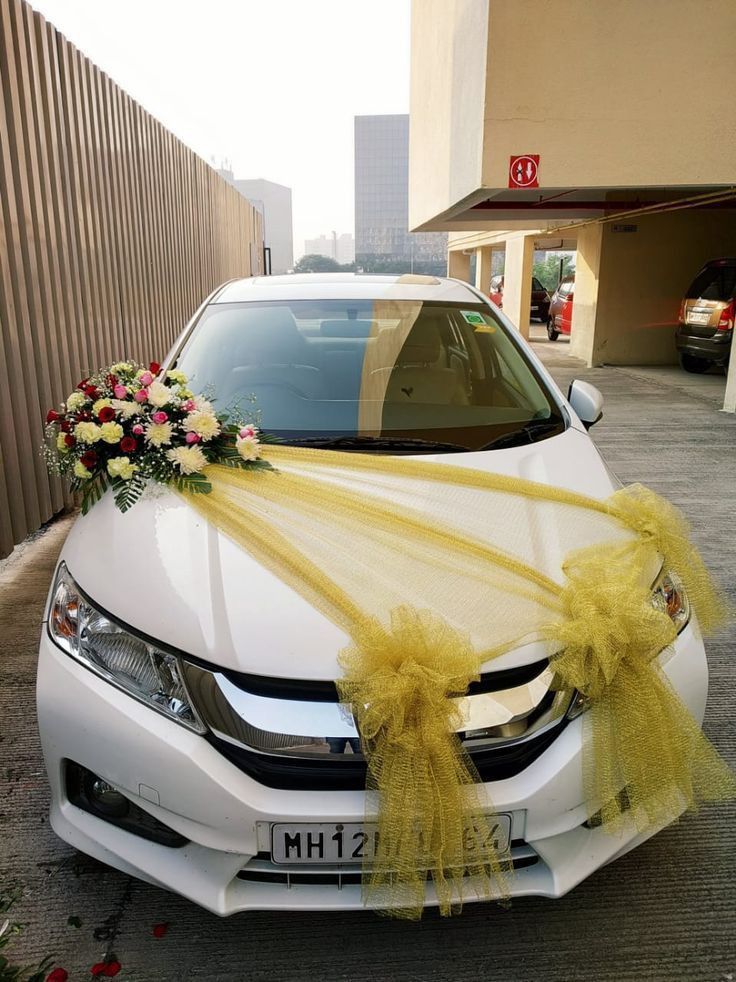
537 285
714 283
386 373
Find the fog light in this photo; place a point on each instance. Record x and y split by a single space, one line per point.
104 797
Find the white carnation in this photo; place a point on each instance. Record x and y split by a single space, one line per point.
75 401
126 408
189 460
159 394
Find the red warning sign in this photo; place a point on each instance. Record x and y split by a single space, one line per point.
524 171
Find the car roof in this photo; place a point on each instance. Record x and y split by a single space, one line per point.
346 286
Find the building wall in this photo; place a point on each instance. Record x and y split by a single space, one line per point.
341 248
382 198
619 94
274 202
448 89
628 286
111 234
639 95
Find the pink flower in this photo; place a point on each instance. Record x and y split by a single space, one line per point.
141 395
138 429
190 405
248 431
120 392
159 417
146 378
192 437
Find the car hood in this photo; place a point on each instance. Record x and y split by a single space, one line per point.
162 570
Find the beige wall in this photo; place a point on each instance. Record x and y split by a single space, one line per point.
628 286
448 79
610 94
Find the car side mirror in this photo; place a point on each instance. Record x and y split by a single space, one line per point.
587 401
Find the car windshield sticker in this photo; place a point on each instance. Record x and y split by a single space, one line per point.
476 319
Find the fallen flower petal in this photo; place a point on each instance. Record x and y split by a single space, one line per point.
160 930
108 969
58 975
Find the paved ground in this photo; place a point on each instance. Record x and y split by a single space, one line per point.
666 912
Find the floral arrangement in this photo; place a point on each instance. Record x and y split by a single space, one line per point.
126 425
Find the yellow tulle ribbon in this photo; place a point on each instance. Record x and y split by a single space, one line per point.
432 817
434 570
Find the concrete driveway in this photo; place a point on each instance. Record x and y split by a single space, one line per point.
665 912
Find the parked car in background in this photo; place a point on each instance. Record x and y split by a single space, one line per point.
539 308
559 320
706 317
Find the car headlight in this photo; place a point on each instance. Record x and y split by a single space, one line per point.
668 595
131 663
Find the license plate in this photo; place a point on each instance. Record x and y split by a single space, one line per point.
697 318
349 842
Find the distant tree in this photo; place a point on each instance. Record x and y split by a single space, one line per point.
314 263
547 270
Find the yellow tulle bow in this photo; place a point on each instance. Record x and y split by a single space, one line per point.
400 682
662 526
648 758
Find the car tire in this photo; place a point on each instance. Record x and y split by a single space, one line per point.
691 363
552 332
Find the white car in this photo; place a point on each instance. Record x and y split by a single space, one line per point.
186 697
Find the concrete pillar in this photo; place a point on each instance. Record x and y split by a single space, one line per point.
458 265
483 259
517 280
585 298
729 403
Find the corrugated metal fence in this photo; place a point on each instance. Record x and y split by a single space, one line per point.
111 234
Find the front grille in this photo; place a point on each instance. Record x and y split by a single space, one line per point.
293 735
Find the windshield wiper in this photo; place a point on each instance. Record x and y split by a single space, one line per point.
530 432
378 443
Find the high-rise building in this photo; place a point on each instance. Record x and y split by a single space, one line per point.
341 248
383 242
274 203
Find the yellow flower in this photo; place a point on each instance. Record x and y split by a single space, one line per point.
204 424
90 432
81 471
61 443
121 467
75 401
184 393
100 404
176 376
159 394
120 366
158 433
189 460
111 432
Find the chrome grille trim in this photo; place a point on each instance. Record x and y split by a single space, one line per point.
323 730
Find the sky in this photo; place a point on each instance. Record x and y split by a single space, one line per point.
271 86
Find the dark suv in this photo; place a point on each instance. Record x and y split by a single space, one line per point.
706 317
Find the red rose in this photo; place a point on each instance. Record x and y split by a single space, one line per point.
91 392
51 416
128 444
58 975
69 440
160 930
154 368
108 969
89 459
83 384
84 416
65 426
106 414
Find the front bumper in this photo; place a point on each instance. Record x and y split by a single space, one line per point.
180 779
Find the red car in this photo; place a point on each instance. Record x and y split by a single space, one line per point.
560 310
539 308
